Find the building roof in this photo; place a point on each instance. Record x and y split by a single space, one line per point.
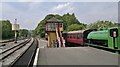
54 20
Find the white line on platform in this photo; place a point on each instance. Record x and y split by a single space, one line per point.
36 58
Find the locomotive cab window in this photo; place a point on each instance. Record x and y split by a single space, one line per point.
114 32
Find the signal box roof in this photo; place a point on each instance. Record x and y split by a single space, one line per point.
52 20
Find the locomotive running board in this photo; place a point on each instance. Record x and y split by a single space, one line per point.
103 47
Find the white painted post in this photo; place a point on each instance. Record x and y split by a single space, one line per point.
15 27
15 36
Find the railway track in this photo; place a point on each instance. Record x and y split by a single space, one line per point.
7 57
4 43
11 40
27 58
11 50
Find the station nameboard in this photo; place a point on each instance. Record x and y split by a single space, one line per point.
15 27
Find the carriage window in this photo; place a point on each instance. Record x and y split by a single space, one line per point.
74 35
70 35
81 36
78 36
67 36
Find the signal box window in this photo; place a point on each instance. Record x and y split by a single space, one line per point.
53 26
56 25
49 27
61 25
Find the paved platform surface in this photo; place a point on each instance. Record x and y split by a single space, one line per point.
76 56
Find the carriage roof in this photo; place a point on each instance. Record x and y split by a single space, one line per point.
78 31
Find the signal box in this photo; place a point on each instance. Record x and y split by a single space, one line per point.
51 25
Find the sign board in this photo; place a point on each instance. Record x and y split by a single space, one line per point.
15 27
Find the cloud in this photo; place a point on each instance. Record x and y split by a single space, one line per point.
62 8
97 11
34 5
29 14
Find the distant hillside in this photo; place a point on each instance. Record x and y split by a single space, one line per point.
69 21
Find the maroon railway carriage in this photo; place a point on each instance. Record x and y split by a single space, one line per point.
76 37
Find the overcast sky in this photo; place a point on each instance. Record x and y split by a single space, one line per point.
29 14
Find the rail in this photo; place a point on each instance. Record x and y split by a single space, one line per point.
27 58
11 50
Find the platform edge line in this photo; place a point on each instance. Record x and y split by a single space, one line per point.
36 58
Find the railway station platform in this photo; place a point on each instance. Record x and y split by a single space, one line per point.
75 56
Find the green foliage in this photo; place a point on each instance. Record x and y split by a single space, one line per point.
6 29
23 32
32 32
70 23
7 32
73 27
101 24
68 20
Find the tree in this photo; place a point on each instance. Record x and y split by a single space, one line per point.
101 24
75 27
23 33
7 32
68 19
